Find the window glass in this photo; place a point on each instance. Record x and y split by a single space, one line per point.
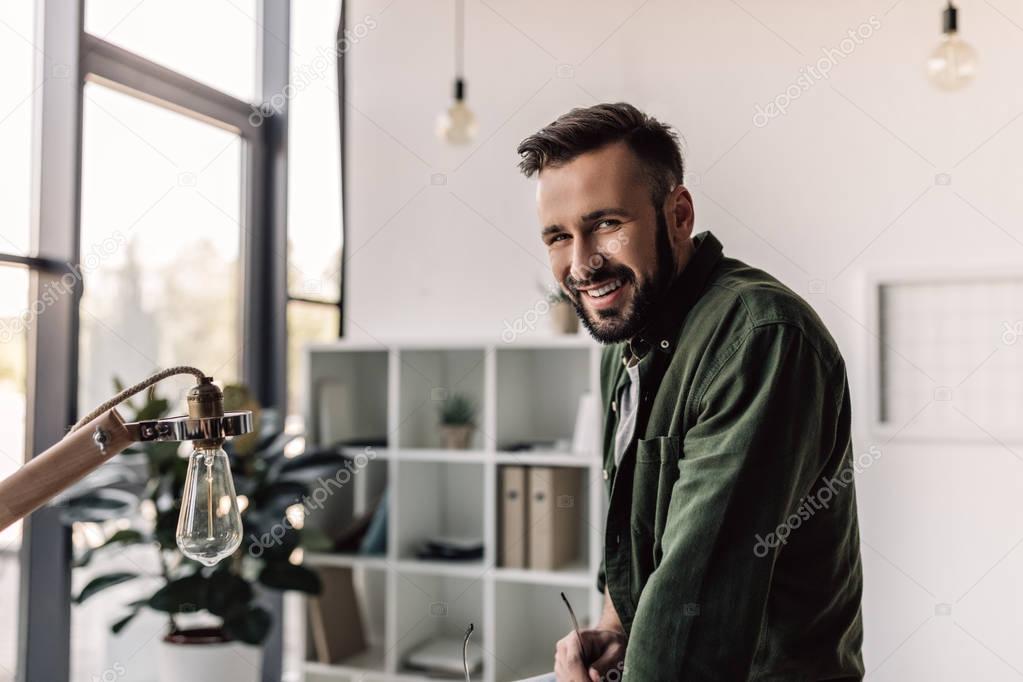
161 238
14 322
213 41
17 55
161 198
314 154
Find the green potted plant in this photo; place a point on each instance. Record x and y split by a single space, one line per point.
457 421
272 476
561 310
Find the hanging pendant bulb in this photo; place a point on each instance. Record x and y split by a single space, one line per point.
210 525
953 63
458 124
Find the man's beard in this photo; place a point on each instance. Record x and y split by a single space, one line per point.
621 324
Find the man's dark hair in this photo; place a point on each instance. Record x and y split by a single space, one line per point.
587 129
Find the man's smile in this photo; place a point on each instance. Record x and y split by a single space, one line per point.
603 295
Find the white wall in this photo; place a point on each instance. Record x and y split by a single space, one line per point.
843 183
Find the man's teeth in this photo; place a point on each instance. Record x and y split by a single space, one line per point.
604 290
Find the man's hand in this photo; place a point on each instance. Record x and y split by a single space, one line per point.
604 649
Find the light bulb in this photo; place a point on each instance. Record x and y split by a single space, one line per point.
953 63
458 124
210 525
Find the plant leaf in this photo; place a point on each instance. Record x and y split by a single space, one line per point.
279 495
275 538
120 625
167 527
315 540
127 536
184 595
316 460
103 582
282 575
228 594
250 626
154 409
100 504
161 456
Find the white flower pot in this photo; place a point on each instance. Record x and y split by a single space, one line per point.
456 437
204 659
564 319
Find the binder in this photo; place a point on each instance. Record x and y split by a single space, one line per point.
554 516
335 619
513 543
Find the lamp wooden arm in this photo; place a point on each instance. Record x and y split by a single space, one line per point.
60 466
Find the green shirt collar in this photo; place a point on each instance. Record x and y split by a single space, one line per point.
662 332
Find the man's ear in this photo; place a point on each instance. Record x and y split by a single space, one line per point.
680 214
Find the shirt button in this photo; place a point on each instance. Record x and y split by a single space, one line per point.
606 475
614 406
618 539
665 344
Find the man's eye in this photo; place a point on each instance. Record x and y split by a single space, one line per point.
608 222
558 238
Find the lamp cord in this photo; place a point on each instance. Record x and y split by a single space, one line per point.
459 38
137 388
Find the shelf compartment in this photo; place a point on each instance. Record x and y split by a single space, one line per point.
431 606
438 499
529 622
347 397
428 378
346 498
585 482
370 592
538 393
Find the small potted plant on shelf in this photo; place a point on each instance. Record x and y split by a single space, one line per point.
562 313
457 417
213 614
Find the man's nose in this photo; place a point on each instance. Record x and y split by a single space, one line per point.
585 260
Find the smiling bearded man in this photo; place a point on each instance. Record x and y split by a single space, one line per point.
726 413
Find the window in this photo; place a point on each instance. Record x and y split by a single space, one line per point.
314 186
17 90
212 41
173 196
165 221
14 318
161 196
17 54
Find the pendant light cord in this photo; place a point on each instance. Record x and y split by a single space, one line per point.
459 39
137 388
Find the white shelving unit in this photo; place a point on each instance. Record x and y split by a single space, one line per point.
523 392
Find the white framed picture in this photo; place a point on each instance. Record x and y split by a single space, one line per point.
946 362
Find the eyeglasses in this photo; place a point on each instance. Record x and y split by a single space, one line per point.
468 634
465 652
575 626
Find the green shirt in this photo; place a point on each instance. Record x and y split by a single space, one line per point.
731 545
